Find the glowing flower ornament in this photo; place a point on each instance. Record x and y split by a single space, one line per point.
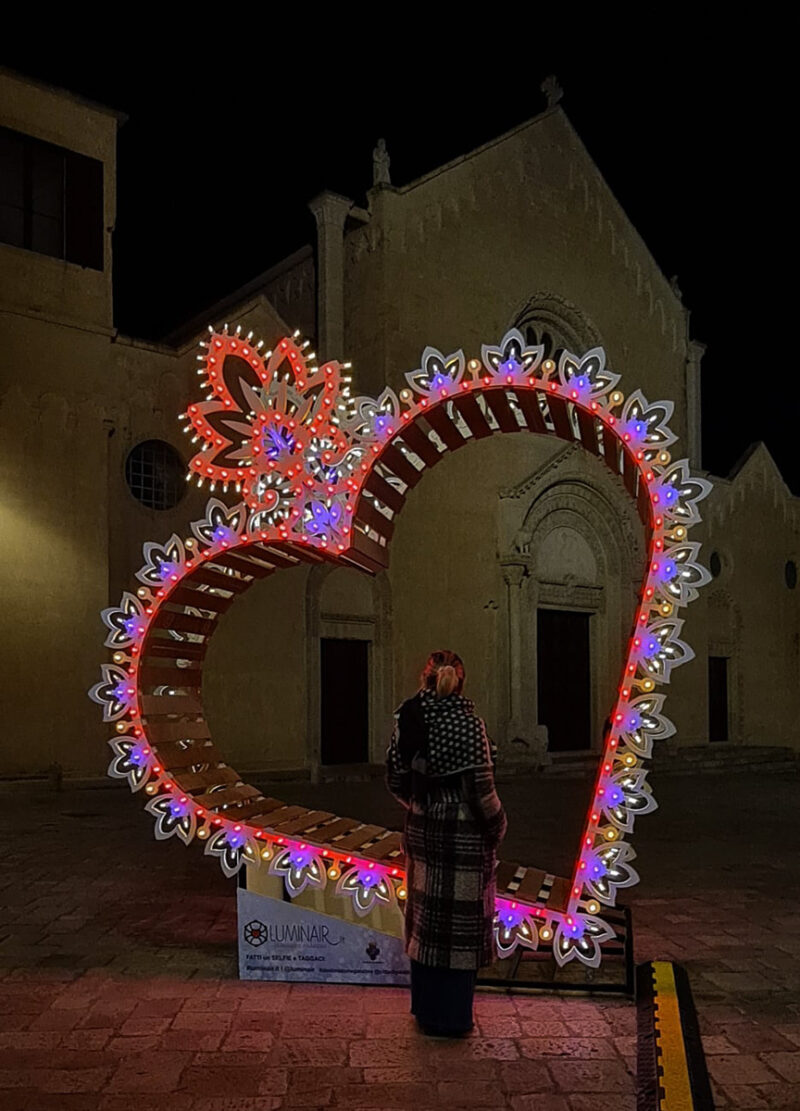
367 886
175 815
163 562
677 493
659 649
626 796
233 847
581 936
127 622
221 527
586 377
514 926
439 375
116 692
133 760
640 722
375 420
608 869
645 425
512 360
326 521
300 867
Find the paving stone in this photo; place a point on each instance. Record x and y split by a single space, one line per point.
740 1068
582 1048
786 1065
601 1076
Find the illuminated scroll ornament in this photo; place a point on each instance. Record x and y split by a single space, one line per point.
318 475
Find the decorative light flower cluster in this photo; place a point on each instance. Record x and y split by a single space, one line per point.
286 435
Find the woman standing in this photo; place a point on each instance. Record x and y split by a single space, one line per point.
440 767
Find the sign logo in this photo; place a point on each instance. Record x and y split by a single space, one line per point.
373 951
255 933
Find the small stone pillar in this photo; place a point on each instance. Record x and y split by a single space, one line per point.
694 402
330 212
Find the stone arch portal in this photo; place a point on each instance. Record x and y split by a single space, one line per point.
318 476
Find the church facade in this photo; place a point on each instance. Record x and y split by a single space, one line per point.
523 555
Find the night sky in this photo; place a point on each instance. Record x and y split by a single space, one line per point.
218 160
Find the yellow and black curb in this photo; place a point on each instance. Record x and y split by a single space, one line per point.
671 1065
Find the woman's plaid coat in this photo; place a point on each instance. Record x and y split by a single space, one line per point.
454 823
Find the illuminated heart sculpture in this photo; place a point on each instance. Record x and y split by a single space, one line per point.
323 477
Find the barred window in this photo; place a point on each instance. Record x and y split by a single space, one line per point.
156 474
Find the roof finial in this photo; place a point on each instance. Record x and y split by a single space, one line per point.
380 164
552 90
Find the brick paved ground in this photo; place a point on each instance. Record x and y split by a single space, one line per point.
118 981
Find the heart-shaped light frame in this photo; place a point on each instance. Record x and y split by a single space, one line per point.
323 477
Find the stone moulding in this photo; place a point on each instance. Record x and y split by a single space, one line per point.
317 475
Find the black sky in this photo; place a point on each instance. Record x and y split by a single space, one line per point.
221 153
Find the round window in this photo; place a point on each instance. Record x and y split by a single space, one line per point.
156 474
790 573
715 564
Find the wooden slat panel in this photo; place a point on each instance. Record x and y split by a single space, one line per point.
159 731
506 870
252 812
214 777
375 556
391 843
384 492
351 841
277 559
215 799
177 649
373 518
588 429
528 401
173 758
471 411
531 884
200 599
283 813
332 829
151 676
394 459
498 403
306 554
154 704
305 821
183 622
439 421
237 562
611 447
644 505
419 443
629 473
560 415
209 577
559 894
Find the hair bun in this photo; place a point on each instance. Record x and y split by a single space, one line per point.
446 681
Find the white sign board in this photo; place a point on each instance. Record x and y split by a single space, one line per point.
280 941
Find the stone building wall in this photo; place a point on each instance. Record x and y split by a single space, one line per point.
522 231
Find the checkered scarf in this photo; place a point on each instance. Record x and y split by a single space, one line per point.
452 738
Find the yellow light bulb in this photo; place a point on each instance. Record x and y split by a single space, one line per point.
333 873
611 834
545 933
266 853
151 788
592 907
203 832
401 893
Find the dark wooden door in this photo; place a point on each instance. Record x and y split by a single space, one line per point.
564 679
718 698
344 667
